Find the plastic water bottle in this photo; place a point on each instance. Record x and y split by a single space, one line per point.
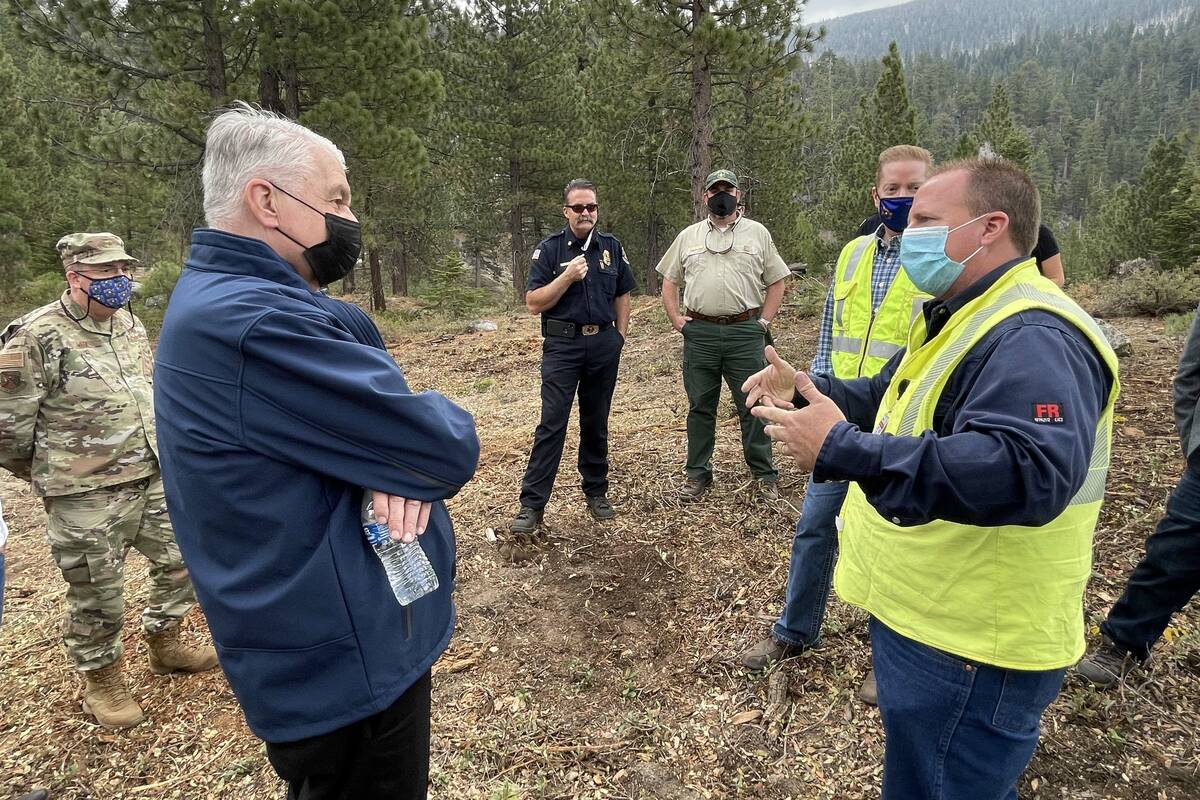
408 570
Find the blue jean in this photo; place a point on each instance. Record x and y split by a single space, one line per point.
810 573
955 729
1167 576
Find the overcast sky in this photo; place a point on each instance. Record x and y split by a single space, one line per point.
817 10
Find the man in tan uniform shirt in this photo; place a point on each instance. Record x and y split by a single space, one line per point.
732 279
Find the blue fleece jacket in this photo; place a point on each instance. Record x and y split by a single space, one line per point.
275 406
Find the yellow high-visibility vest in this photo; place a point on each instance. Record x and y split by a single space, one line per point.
864 340
1012 595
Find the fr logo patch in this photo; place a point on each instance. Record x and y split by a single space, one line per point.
1048 413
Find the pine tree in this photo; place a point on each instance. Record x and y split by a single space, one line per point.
998 132
891 120
884 120
514 103
1163 191
711 43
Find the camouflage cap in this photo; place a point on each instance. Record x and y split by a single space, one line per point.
92 248
721 175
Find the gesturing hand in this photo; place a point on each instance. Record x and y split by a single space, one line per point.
406 519
576 269
802 431
777 380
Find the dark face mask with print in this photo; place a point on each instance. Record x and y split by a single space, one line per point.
332 259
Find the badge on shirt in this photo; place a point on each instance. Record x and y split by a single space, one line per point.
537 253
606 261
10 381
1048 413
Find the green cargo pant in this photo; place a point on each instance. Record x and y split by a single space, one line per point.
733 352
89 535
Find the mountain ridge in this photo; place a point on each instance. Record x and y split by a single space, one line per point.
949 27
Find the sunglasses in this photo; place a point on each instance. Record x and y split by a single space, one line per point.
579 208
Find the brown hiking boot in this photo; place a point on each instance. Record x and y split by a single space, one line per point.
694 488
767 652
107 698
867 692
169 653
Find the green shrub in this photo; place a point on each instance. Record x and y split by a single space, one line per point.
1178 324
160 280
1149 292
806 295
447 293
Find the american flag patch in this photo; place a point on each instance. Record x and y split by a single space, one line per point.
12 358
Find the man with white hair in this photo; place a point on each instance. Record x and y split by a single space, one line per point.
278 407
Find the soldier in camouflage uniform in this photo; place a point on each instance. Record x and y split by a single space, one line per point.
77 421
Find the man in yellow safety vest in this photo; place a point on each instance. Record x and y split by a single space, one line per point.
977 457
870 305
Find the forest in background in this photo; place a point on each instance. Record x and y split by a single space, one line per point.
462 123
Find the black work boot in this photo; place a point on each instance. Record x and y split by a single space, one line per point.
527 520
1108 664
600 507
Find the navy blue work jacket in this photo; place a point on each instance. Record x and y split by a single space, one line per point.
275 406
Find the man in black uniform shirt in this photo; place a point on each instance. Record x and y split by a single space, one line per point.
580 283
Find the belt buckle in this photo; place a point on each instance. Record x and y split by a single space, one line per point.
724 320
590 330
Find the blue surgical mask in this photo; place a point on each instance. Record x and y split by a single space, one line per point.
894 212
112 292
923 257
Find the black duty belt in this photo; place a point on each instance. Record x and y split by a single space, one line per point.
728 319
569 330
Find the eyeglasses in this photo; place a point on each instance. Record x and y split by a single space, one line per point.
579 208
731 232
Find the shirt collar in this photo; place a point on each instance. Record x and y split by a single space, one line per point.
221 251
939 312
570 234
887 244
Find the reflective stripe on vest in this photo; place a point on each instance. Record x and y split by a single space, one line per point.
878 333
1011 595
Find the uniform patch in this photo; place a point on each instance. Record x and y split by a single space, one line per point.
12 358
11 380
1048 413
537 253
624 256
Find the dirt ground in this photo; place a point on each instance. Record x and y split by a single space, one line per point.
603 666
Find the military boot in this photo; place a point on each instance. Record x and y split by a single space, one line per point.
169 653
107 698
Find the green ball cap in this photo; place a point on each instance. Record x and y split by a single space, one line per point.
721 175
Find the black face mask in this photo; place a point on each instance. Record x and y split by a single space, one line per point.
722 204
332 259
